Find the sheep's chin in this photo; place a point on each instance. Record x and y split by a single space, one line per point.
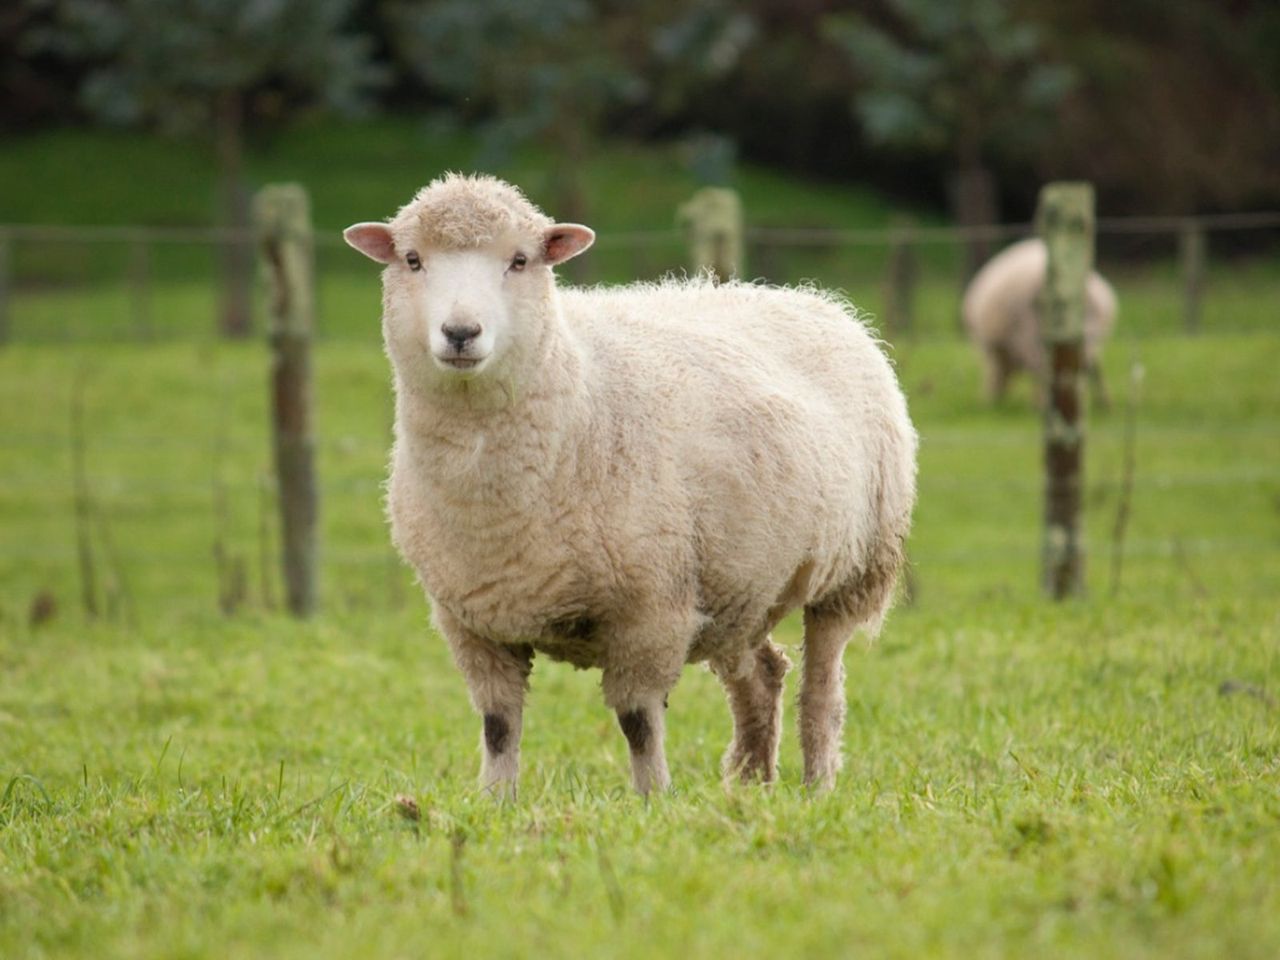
460 366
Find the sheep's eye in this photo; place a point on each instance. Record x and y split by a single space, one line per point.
518 262
413 260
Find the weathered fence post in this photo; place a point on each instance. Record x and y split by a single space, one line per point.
6 270
1065 221
900 276
283 221
712 222
1191 255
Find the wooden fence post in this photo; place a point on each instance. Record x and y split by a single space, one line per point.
900 276
1191 255
283 221
1065 221
712 222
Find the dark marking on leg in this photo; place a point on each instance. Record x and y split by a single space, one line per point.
495 733
635 727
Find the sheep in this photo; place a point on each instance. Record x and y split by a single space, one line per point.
633 479
1003 321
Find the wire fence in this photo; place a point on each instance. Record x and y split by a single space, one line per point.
67 283
176 496
191 522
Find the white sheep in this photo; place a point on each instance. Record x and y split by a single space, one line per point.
633 478
1003 321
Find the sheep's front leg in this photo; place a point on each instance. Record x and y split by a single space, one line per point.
641 668
497 677
995 373
644 725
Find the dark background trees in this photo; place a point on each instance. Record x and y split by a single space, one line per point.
967 106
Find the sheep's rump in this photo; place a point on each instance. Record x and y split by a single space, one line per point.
786 429
1000 312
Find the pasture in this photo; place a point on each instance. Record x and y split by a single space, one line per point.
191 773
1096 778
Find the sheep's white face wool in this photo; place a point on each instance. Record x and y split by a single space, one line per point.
468 289
463 301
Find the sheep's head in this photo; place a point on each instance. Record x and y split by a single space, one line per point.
468 288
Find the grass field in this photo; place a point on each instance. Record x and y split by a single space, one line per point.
1099 778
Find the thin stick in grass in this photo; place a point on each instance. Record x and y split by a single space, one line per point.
1121 526
230 569
266 552
119 594
457 890
81 501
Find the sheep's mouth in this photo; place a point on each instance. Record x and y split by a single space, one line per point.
459 362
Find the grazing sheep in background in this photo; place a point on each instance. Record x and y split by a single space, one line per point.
633 478
1002 319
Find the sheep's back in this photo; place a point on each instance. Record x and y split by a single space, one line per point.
1000 299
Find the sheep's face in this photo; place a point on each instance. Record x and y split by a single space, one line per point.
465 313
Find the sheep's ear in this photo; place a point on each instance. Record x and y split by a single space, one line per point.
563 241
373 240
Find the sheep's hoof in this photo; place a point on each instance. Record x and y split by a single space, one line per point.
502 791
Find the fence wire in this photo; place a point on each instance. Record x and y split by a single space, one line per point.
66 283
187 529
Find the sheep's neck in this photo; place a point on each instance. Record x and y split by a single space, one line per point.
499 434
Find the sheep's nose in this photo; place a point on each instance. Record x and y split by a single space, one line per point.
460 334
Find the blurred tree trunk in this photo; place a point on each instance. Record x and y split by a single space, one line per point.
973 204
235 319
973 187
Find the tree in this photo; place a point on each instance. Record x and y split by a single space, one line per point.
560 72
967 79
541 70
217 68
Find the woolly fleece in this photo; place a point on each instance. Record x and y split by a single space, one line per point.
643 477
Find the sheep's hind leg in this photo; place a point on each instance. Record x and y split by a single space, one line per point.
995 373
822 700
497 677
753 684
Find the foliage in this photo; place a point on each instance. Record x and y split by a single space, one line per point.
169 62
1177 107
967 78
559 70
568 68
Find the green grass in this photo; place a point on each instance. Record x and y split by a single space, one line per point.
70 291
367 170
1098 778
